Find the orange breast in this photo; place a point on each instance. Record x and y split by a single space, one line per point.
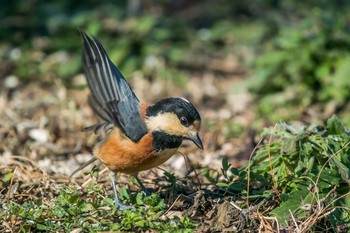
120 154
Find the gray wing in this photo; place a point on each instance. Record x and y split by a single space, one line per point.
110 93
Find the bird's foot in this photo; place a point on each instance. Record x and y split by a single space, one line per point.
147 191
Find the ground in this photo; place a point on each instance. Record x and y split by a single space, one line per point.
269 78
43 143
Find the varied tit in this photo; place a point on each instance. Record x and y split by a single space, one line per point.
138 136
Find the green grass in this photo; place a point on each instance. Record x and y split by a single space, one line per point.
89 210
305 64
299 176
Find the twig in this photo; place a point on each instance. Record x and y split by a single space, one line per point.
331 157
178 197
270 160
246 211
294 221
9 192
194 170
90 179
248 171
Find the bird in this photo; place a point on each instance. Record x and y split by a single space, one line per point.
138 136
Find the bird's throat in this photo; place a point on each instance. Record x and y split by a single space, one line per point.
163 141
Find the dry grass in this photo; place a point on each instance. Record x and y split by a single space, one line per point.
42 145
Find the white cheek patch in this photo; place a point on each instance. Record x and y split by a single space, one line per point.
167 122
162 121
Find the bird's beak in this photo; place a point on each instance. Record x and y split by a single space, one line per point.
196 139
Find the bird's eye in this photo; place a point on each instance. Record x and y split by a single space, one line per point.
184 121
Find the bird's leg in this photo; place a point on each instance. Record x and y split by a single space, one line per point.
116 200
144 189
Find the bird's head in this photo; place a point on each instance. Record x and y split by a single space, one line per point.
175 116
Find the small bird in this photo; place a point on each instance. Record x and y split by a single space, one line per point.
138 136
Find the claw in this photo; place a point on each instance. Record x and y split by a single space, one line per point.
122 206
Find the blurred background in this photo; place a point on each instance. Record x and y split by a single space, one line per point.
244 64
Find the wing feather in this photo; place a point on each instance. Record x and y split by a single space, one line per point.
111 95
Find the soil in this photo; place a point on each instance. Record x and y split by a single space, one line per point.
41 140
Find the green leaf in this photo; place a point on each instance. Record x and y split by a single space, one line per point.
41 227
342 168
292 203
235 171
340 217
7 177
335 126
139 199
220 184
225 164
124 194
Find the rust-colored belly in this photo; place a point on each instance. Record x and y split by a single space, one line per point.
120 154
